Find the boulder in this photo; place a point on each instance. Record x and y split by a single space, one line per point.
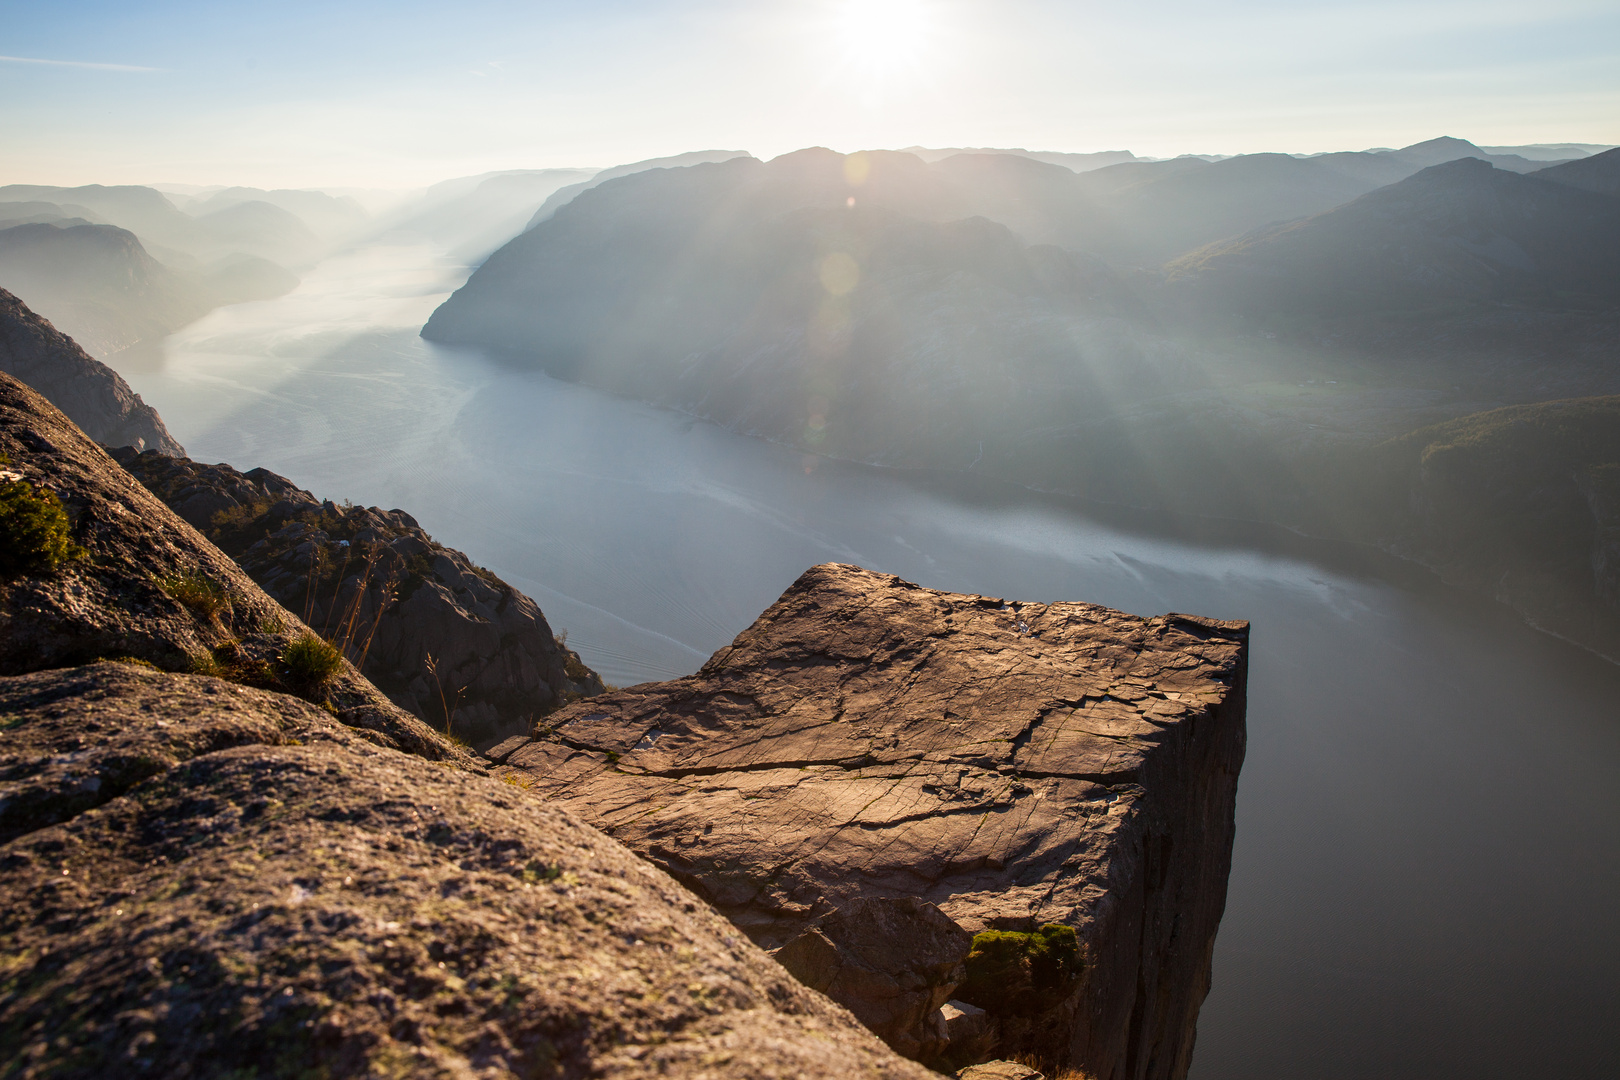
445 638
970 1032
93 395
892 961
211 880
1019 766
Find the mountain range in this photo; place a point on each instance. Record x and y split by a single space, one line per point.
1231 337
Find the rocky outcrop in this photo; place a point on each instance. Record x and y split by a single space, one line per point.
1016 765
147 586
205 878
93 395
443 637
201 879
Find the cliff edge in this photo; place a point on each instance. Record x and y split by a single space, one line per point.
205 878
1056 780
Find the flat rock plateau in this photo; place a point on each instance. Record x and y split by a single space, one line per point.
1009 765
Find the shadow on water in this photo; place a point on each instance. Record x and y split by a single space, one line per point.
1427 867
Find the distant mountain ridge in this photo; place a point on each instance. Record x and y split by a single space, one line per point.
101 286
1461 232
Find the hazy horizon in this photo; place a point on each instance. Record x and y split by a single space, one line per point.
402 95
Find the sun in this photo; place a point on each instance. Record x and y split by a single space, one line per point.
885 39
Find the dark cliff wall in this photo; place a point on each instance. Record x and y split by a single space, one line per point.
93 395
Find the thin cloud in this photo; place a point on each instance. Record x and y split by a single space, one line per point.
75 64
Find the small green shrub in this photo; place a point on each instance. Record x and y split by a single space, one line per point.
134 661
34 531
201 595
1014 974
311 662
206 664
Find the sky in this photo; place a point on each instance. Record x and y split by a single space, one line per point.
403 94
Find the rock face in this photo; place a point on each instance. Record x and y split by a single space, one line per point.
151 588
1015 765
444 638
892 962
93 395
207 880
201 878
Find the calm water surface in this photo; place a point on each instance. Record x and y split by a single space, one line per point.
1427 875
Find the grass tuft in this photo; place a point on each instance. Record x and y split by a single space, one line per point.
311 662
198 593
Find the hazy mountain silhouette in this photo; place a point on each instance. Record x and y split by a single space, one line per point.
331 218
474 215
1439 151
97 284
1455 234
754 294
251 227
566 194
257 228
1599 173
1073 162
34 212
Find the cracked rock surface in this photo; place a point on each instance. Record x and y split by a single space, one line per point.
201 879
1014 764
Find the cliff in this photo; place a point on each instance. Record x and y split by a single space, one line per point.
143 585
93 395
444 638
1022 768
207 878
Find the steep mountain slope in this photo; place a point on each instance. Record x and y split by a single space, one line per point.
97 283
757 295
149 587
1459 233
1599 173
443 637
473 216
1161 216
564 195
93 395
1522 503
